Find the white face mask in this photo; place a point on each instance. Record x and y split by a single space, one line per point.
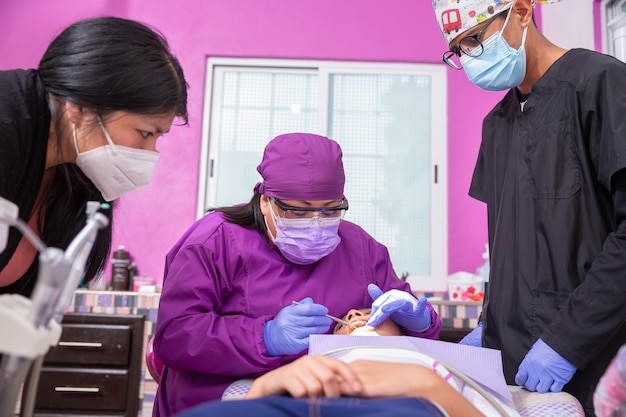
116 170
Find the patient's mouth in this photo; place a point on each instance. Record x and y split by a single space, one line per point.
357 323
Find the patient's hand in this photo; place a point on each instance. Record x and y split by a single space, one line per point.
308 376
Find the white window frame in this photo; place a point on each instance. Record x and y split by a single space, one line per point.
613 20
436 281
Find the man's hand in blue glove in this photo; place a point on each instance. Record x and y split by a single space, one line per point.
544 370
475 337
401 307
288 333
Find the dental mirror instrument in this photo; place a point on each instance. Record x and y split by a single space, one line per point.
337 319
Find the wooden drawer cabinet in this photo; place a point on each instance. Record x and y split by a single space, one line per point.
95 369
453 335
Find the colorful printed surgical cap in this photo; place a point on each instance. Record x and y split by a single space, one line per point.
457 16
302 166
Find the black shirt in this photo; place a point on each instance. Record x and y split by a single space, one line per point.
24 131
552 178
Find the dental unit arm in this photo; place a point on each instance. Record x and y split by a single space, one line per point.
29 327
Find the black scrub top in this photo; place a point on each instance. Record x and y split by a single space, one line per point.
24 130
558 247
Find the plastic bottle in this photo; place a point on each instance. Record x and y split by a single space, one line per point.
119 272
132 274
483 270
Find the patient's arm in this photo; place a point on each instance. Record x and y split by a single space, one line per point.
308 376
385 380
321 376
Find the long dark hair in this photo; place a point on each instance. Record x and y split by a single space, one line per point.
246 215
104 64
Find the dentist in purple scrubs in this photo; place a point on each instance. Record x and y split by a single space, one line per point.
226 309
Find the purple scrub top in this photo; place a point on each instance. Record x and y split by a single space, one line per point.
222 282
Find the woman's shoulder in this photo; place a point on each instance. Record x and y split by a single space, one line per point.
25 123
207 225
583 67
13 76
588 56
212 233
23 100
18 81
213 228
347 227
352 232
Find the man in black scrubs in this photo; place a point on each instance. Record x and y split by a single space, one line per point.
552 170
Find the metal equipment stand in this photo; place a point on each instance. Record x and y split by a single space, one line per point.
29 327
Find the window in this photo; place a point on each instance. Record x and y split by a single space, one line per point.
390 120
615 17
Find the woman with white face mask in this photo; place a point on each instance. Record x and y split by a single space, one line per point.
552 171
226 309
82 126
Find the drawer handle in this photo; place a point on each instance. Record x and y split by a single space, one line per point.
76 389
81 344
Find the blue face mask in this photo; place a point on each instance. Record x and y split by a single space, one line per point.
499 67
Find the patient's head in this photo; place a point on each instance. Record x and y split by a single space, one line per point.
357 319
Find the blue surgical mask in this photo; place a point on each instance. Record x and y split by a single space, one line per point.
499 67
306 241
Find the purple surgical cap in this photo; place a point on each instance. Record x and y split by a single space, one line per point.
301 166
456 17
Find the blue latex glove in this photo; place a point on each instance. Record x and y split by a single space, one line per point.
401 307
544 370
288 333
475 337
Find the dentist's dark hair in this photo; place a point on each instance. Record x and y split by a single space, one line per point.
103 64
246 215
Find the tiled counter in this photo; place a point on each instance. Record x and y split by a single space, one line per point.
453 314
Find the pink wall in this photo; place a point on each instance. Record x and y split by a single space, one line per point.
151 220
597 25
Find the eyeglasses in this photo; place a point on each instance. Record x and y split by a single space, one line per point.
300 212
470 45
